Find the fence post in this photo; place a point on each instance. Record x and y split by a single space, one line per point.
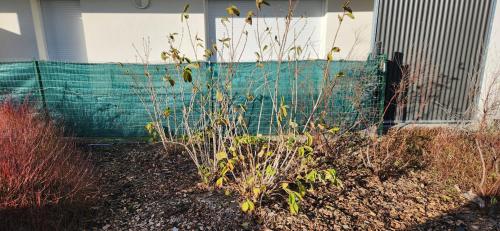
381 62
393 80
40 85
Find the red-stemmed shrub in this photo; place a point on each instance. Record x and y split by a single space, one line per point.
38 166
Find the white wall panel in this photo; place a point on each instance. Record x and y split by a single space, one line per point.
490 88
111 27
17 35
354 38
306 28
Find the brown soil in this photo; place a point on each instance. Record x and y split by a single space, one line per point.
143 190
140 189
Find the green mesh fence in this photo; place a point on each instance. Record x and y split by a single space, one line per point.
104 100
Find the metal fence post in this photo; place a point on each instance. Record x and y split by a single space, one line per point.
40 85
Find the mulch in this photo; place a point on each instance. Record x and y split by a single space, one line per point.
141 189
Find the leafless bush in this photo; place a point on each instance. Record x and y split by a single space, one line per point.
38 167
210 123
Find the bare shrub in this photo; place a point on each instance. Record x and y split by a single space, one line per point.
211 122
38 167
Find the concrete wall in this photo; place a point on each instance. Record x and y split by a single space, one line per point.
354 38
112 26
490 87
17 35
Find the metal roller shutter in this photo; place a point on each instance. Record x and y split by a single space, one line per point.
64 30
442 43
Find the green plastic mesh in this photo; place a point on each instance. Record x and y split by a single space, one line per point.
104 100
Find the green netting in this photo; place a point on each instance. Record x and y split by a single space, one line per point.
104 100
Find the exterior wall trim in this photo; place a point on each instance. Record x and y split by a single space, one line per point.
41 42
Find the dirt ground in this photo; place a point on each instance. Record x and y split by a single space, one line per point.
142 190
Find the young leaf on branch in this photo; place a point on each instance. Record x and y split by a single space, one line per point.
185 14
259 3
248 19
187 74
233 10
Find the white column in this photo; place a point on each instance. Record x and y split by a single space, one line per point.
36 12
490 85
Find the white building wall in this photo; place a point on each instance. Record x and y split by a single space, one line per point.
490 87
354 37
111 27
17 34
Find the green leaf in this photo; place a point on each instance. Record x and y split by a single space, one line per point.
186 8
350 15
233 10
208 53
340 74
170 80
347 9
185 14
301 187
221 156
256 192
259 3
149 127
247 206
270 171
311 176
248 19
219 182
187 75
336 49
309 140
164 55
258 55
308 149
329 56
219 96
167 112
301 151
334 130
292 203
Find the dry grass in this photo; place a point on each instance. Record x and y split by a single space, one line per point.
469 159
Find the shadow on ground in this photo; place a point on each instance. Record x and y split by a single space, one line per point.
467 217
57 217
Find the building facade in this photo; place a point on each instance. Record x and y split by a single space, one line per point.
444 32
